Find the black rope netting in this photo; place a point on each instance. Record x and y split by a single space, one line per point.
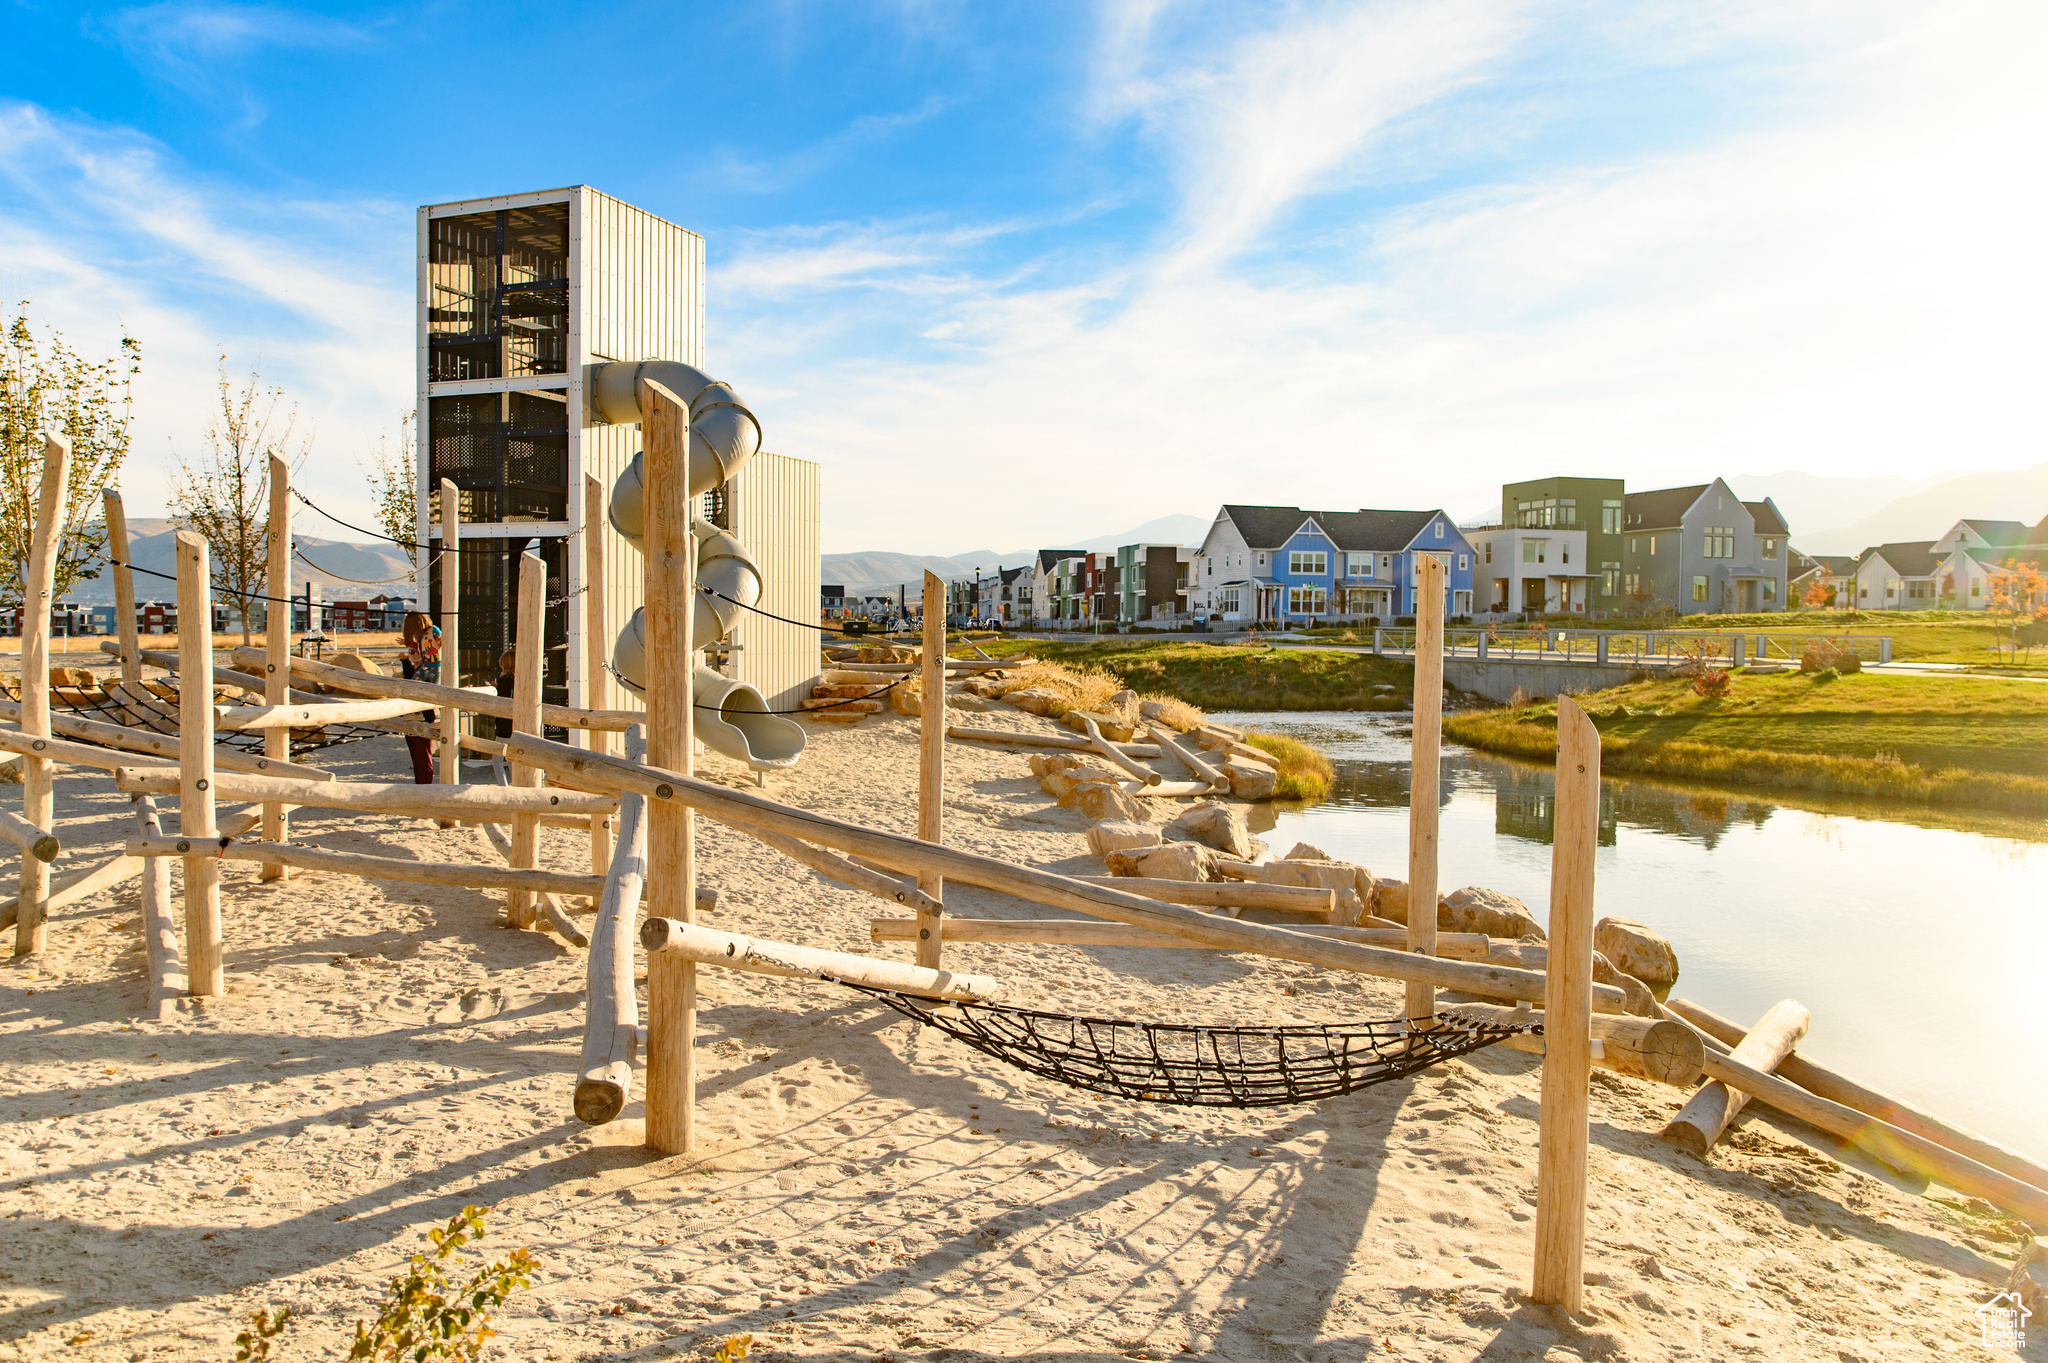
152 707
1189 1066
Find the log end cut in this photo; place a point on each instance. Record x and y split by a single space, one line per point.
1672 1053
599 1100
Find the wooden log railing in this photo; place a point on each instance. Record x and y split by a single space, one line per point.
611 1017
675 939
476 701
453 802
165 746
1646 1048
476 876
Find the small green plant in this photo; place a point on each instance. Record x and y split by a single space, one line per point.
265 1325
1710 684
424 1317
735 1349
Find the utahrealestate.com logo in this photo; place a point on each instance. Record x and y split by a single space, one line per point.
2003 1321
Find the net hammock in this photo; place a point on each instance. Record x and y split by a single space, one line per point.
1183 1065
152 707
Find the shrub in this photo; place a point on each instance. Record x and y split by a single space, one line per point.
424 1317
1710 683
1826 674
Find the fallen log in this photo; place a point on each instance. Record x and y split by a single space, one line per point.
35 842
1215 894
611 1017
482 701
110 736
1068 742
1825 1083
761 956
1186 756
1165 790
1091 932
908 854
1647 1048
448 802
1109 750
1707 1114
475 877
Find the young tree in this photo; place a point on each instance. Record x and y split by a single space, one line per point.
1816 595
48 386
395 483
225 493
2020 591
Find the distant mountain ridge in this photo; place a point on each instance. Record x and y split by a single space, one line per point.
152 546
873 572
1846 518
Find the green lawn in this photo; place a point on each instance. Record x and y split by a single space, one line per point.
1235 676
1960 740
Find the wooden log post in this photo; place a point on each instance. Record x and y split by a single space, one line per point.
597 646
761 956
277 650
159 927
39 843
670 602
931 768
38 790
1425 775
1568 1025
126 628
205 976
451 616
549 904
1836 1087
1704 1118
528 655
611 1017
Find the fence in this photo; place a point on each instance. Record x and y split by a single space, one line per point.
1638 648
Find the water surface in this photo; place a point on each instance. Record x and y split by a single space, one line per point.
1920 943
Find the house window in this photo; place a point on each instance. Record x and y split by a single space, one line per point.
1567 511
1305 600
1489 551
1770 548
1464 562
1564 553
1720 541
1770 589
1228 599
1610 578
1653 546
1262 560
1632 583
1610 518
1533 550
1358 565
1976 586
1308 562
1699 589
1386 562
1631 544
1439 529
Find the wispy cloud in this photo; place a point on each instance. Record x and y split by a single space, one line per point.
196 46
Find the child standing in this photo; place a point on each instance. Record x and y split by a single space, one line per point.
422 662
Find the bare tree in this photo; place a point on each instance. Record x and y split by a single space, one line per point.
395 484
225 493
48 386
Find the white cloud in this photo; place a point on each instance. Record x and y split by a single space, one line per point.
1837 277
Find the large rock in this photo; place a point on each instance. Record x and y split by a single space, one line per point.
1172 861
1390 900
1121 835
1113 727
1062 772
1251 780
1477 909
1101 800
1126 706
1636 949
1308 851
1214 825
1353 884
1641 1001
906 702
1156 710
1035 699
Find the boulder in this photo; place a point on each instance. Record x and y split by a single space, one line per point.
1306 851
1477 909
1035 699
1251 780
1641 1002
980 686
1214 825
1636 949
884 654
1353 884
1170 861
1154 710
1112 726
1121 835
1065 771
1101 800
1126 706
975 703
72 676
1390 900
906 702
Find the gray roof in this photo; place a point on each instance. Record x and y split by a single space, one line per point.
1663 509
1836 565
1048 557
1999 532
1912 558
1768 521
1270 527
1997 556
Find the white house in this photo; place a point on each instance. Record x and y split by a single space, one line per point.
1898 577
1974 555
1530 571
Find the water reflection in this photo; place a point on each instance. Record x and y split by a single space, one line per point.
1827 901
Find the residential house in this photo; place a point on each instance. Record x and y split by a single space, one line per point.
832 600
352 617
1055 587
1534 572
1973 556
1153 582
1895 577
1284 564
1701 549
1593 506
1836 574
1101 582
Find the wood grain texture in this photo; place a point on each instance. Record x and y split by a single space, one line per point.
204 972
1706 1115
931 769
1425 770
277 649
528 656
451 652
38 790
611 1018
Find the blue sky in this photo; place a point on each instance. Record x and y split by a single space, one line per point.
1034 272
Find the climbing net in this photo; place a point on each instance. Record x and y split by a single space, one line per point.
1189 1066
152 707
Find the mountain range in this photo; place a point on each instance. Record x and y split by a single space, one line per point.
152 548
1848 515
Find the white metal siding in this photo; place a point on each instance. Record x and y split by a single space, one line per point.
775 509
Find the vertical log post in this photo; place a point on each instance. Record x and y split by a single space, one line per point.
277 650
125 627
1425 775
597 646
671 551
1567 1016
204 975
159 926
38 793
931 764
521 909
451 659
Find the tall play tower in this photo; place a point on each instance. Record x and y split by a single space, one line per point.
523 300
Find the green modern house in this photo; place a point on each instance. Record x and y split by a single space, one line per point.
1594 505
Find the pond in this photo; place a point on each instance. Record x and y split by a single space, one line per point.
1919 943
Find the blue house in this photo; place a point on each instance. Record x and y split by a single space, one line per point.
1284 564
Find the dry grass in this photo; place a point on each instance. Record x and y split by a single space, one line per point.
1305 774
1090 688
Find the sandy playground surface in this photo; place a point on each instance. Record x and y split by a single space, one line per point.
866 1191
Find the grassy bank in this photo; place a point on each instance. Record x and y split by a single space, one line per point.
1305 774
1964 741
1236 676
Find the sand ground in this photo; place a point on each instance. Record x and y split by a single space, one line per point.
386 1054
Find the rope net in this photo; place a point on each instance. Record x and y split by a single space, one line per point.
152 707
1189 1066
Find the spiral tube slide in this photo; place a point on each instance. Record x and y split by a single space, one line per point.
731 716
723 432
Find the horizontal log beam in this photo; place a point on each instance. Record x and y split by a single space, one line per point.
34 841
310 716
222 676
1064 742
761 956
1063 892
1089 932
847 872
477 701
470 875
1647 1048
117 736
426 802
1217 894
